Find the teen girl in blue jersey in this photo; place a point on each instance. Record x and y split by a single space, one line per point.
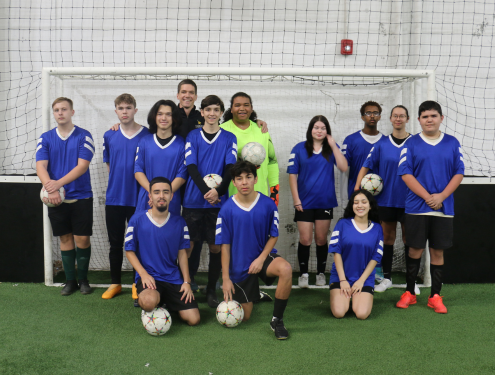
357 244
312 183
383 160
161 154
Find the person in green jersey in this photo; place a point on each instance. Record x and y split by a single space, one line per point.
240 119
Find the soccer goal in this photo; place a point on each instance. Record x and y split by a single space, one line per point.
285 98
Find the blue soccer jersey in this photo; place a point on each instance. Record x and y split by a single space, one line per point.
433 164
315 180
247 231
356 148
63 154
357 248
210 157
119 150
155 160
383 160
157 245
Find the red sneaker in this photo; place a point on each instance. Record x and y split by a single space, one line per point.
405 300
436 304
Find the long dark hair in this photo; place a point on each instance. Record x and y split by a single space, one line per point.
228 113
308 145
372 214
176 118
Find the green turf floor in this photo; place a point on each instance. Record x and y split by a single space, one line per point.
42 332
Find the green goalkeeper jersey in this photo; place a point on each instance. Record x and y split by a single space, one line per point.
268 171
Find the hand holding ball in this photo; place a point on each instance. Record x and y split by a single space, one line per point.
44 197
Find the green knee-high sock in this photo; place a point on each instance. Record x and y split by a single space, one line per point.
69 263
83 256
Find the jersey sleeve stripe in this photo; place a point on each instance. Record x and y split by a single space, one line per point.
402 160
186 229
234 153
219 230
188 153
234 146
219 220
343 152
379 251
188 144
88 139
368 155
462 159
335 233
290 163
128 238
130 229
276 214
186 237
41 140
334 241
380 243
344 146
403 152
89 148
40 146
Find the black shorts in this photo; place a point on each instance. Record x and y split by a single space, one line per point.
311 215
248 290
391 214
437 230
170 295
201 222
75 218
366 289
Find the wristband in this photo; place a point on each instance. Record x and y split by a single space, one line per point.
186 282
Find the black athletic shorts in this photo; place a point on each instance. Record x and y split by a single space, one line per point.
366 289
311 215
170 295
437 230
75 218
391 214
248 290
201 222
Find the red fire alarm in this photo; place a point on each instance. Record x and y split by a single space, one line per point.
346 47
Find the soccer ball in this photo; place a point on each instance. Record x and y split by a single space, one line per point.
230 314
373 183
254 153
212 180
44 196
156 322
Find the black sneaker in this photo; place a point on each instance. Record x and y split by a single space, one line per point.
84 287
277 326
212 299
136 303
69 288
265 297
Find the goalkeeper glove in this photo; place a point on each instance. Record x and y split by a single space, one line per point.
274 193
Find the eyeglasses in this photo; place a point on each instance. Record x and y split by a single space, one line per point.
369 114
399 116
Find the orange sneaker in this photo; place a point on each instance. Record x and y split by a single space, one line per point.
405 300
112 291
134 292
436 304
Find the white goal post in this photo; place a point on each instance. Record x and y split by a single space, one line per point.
417 93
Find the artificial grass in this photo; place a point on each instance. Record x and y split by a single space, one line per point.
44 333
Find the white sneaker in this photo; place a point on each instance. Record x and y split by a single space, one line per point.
416 289
384 285
321 279
303 281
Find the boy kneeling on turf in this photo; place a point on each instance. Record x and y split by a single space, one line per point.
432 166
247 229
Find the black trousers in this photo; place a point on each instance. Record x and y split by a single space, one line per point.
116 218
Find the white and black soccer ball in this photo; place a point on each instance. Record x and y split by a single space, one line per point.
230 314
373 183
44 196
253 152
156 322
212 180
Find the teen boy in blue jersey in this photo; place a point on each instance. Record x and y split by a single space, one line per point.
357 244
247 229
119 152
155 244
63 156
209 150
432 166
357 146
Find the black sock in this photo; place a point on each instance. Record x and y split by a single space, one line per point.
214 270
388 256
279 307
303 257
321 258
412 266
436 273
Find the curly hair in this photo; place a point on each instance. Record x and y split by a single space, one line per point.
373 212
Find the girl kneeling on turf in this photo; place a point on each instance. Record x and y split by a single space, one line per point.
357 245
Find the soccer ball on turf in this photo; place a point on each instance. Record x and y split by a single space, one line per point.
44 196
254 153
230 314
156 322
212 180
373 183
